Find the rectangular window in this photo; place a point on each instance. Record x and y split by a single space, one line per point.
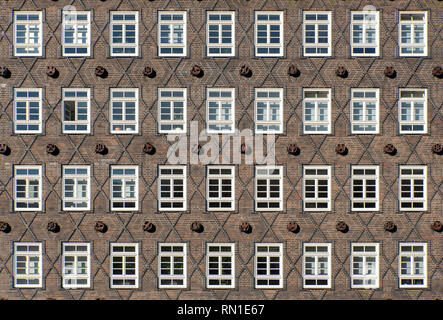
413 111
172 265
364 265
269 110
124 33
28 28
316 265
268 34
413 33
412 265
365 33
28 188
268 188
76 111
124 188
172 110
412 188
124 265
220 34
172 188
364 188
365 111
317 111
220 265
27 110
76 37
76 265
124 111
28 265
268 265
220 188
317 188
76 188
316 34
220 104
172 33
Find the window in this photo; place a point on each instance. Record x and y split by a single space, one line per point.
27 110
269 111
76 111
412 265
124 188
76 265
268 265
220 184
124 33
172 33
220 264
412 32
172 265
317 111
268 34
28 33
124 111
364 188
76 38
316 34
172 188
76 188
268 188
317 188
28 265
364 33
412 188
220 110
413 111
172 110
316 265
364 111
220 39
124 265
364 265
28 188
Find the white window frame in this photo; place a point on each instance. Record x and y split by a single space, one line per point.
28 264
268 200
412 275
172 255
364 177
365 101
76 24
220 177
28 178
28 100
76 100
411 177
124 178
220 101
28 45
124 24
365 24
316 255
172 199
76 178
317 177
316 114
219 262
413 25
316 44
219 24
171 24
412 101
123 256
171 100
75 276
268 23
124 126
268 255
268 101
365 265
